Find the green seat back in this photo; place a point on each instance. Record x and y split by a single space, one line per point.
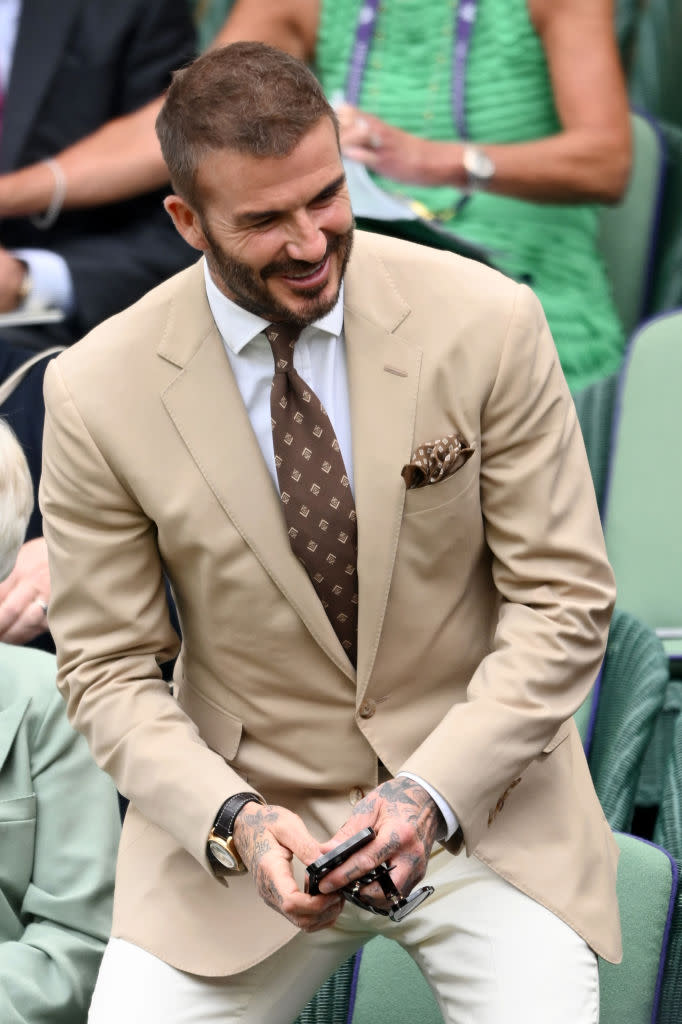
654 70
666 290
631 693
628 229
668 832
644 491
594 406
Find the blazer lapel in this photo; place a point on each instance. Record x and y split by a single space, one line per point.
11 718
33 66
207 409
383 374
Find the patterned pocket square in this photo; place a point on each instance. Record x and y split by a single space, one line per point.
436 460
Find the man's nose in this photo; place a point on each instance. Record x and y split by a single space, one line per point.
307 240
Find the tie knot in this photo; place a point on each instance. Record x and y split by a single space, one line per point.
282 338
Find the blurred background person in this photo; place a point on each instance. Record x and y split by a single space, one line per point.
65 69
59 821
508 119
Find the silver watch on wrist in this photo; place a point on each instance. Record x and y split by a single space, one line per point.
479 168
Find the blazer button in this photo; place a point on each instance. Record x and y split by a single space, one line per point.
355 796
367 709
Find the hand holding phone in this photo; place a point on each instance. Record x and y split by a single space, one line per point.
328 861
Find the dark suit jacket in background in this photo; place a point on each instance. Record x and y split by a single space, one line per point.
78 63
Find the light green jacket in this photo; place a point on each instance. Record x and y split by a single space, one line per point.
59 829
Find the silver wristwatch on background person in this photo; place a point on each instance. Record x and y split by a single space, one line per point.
479 168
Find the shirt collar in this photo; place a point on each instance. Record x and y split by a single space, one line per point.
238 327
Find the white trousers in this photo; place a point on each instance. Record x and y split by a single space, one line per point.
490 954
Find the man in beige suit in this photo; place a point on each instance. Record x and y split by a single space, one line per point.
482 598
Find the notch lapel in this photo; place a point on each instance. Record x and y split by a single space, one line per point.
383 373
207 409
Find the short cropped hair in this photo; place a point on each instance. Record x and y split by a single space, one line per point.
247 97
16 498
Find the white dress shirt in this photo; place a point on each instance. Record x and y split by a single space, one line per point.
50 276
320 359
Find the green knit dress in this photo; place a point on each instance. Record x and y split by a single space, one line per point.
508 98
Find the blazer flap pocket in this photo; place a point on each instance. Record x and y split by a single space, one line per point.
21 808
558 737
220 730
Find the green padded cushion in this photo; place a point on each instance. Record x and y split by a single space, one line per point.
646 886
391 989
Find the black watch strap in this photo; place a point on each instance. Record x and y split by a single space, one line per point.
223 825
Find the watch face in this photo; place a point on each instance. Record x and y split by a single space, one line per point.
222 855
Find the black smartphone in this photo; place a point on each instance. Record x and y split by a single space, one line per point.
328 861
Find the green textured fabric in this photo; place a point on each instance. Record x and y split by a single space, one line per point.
634 679
642 514
645 887
655 765
626 17
654 72
594 406
330 1004
508 99
669 834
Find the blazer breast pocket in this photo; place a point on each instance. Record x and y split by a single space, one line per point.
430 497
20 808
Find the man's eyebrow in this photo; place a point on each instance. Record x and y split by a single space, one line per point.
253 216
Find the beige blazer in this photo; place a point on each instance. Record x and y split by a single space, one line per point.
484 599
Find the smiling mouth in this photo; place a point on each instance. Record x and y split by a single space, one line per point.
310 278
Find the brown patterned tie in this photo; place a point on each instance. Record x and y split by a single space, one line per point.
315 490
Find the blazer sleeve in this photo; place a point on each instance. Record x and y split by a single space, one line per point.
48 972
550 570
110 620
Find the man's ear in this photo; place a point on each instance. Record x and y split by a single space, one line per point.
186 222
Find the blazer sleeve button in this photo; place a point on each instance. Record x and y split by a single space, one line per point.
355 796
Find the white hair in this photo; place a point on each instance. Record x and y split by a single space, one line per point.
16 498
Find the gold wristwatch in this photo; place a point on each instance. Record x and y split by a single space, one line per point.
220 848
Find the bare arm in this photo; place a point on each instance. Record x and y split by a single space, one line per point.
588 160
122 158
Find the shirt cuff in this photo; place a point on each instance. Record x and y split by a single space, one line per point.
50 278
451 822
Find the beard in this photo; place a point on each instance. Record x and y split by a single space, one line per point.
248 287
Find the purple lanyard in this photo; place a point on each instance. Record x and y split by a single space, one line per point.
364 34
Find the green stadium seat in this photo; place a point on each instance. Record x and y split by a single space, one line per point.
629 697
668 832
628 230
644 489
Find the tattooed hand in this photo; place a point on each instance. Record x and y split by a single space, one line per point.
407 822
267 838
